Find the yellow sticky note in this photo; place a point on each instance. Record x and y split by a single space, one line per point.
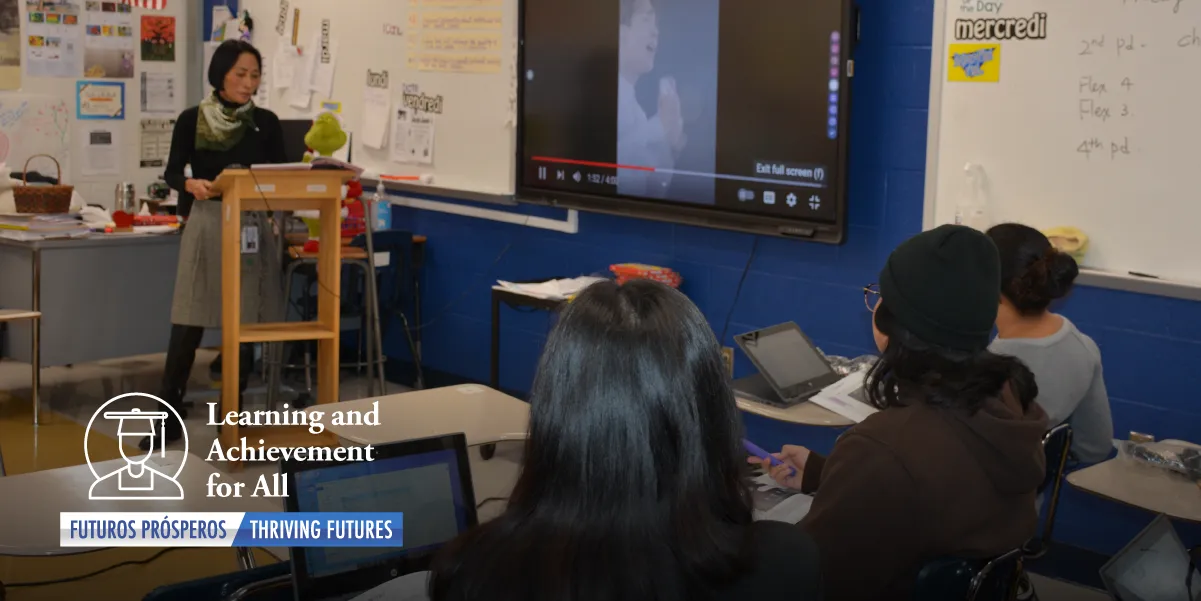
974 62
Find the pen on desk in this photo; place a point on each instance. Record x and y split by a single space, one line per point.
1143 275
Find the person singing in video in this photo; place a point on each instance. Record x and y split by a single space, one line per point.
642 141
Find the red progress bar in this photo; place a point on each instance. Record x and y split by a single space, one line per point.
592 164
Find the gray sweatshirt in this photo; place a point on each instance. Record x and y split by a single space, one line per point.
1071 387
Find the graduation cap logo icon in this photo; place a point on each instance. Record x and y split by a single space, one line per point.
149 475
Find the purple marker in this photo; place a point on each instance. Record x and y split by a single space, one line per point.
760 453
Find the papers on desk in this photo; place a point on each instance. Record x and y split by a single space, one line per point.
845 397
282 167
318 162
775 503
552 289
27 226
410 587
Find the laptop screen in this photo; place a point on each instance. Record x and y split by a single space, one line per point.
787 358
425 487
1153 567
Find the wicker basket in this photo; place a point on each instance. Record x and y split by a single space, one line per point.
42 199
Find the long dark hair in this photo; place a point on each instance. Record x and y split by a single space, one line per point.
1033 271
631 485
913 370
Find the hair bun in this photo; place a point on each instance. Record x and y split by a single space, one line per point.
1061 273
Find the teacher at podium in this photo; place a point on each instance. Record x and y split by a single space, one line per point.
226 130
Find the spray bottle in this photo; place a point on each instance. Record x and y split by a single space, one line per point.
381 209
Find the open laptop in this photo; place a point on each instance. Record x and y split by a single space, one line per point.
428 479
1154 567
791 369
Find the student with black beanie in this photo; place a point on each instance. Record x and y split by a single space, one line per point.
951 463
225 129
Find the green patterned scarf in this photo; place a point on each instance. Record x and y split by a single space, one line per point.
220 127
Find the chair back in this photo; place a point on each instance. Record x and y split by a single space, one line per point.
962 579
396 284
216 588
1057 446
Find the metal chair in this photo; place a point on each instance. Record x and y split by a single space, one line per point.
961 579
397 287
1057 446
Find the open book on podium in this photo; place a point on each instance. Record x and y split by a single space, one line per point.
243 190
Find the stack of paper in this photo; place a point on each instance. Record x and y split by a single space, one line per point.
775 503
552 289
845 397
25 226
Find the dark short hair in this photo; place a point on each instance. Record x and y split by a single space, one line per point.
632 479
226 56
1033 272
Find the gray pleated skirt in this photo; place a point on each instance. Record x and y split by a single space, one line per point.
197 300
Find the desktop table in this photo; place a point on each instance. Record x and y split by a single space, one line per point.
1151 488
806 413
484 415
504 295
29 533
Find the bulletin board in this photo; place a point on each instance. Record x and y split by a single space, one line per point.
447 65
98 85
1076 113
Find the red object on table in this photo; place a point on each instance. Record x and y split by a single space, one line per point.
122 219
631 271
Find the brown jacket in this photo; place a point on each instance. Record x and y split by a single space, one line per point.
911 484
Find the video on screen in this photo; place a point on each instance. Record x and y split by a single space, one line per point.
698 102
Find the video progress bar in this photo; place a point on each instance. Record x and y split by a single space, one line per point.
737 178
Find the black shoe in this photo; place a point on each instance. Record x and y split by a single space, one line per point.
174 433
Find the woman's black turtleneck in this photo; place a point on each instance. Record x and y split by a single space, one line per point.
263 143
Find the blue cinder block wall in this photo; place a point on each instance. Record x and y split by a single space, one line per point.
1151 345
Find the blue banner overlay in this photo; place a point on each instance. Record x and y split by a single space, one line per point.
319 530
329 529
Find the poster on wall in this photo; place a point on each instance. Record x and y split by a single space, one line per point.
158 38
10 45
109 44
54 38
99 100
156 142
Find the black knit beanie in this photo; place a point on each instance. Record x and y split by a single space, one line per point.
944 287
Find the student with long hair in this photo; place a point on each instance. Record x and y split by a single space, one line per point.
633 485
1066 363
950 464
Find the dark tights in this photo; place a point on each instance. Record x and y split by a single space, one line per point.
181 354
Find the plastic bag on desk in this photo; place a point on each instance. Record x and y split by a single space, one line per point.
1181 459
843 366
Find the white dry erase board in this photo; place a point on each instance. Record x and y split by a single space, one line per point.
67 42
448 64
1082 113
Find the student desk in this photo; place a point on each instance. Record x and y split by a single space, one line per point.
483 414
25 532
1155 489
500 294
806 413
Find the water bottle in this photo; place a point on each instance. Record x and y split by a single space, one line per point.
381 209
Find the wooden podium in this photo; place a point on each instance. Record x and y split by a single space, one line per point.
279 190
